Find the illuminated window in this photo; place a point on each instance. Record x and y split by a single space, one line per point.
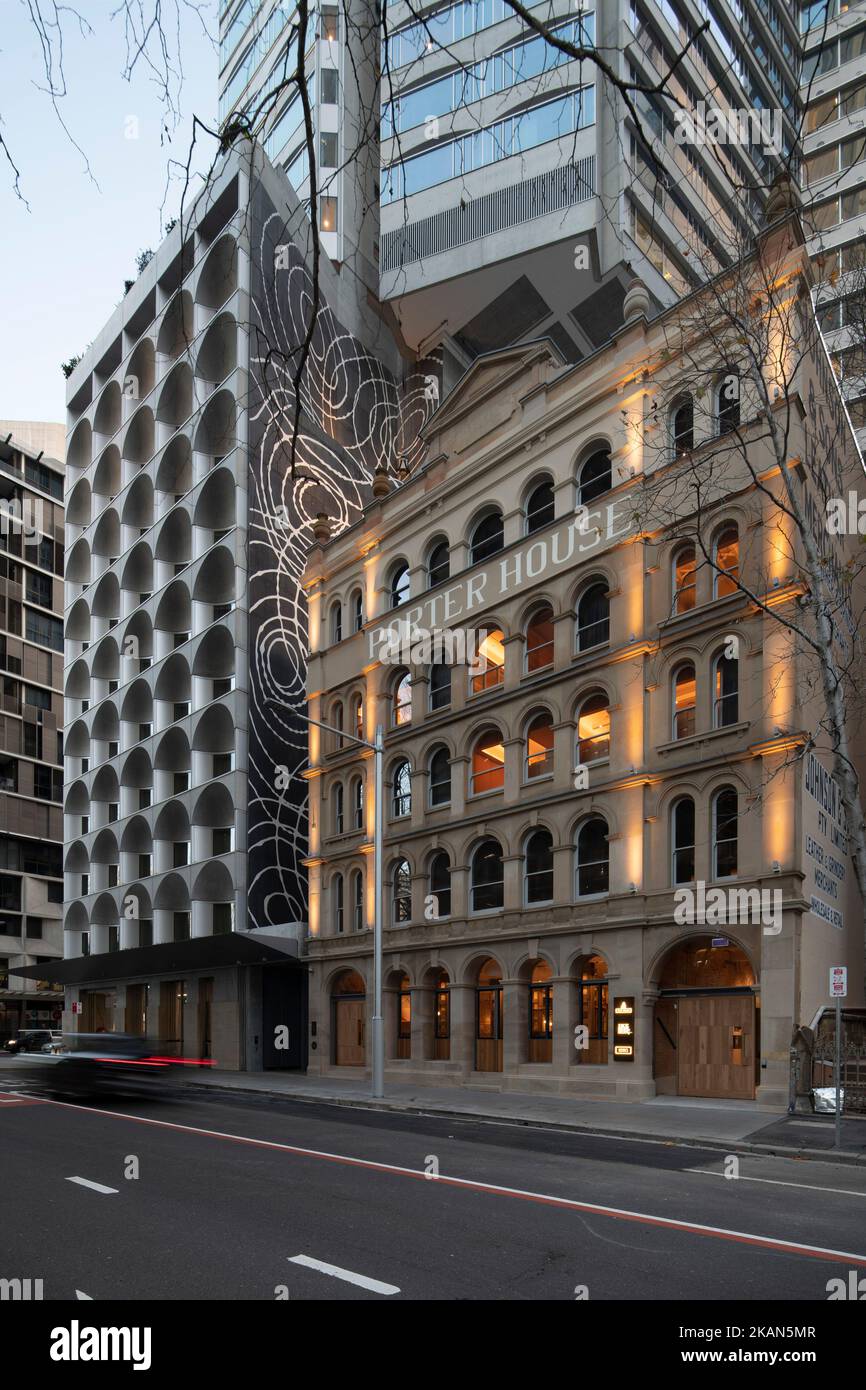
726 561
685 578
684 693
725 812
593 1010
593 858
404 1018
593 729
593 617
487 879
683 834
487 670
539 507
357 716
401 790
401 708
488 764
538 868
541 1002
726 699
539 640
539 747
594 477
441 1013
328 214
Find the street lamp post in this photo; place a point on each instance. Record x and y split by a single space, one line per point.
378 749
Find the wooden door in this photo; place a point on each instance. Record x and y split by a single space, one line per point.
488 1029
98 1014
716 1046
171 1017
350 1029
136 1009
205 1000
665 1047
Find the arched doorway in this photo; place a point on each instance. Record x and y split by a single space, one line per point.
706 1038
349 1003
592 1012
540 1013
404 1019
488 1017
441 1017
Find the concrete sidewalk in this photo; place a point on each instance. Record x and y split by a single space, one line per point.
666 1119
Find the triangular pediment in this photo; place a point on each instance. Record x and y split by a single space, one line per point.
503 373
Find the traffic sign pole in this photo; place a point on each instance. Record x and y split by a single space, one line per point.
838 991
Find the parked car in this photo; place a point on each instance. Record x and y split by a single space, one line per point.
34 1040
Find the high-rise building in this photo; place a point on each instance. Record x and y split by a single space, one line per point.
834 98
188 511
31 719
517 192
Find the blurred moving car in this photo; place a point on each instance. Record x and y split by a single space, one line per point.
34 1040
108 1063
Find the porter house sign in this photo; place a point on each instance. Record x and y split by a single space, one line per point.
574 539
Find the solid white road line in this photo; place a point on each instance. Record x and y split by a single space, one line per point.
96 1186
374 1285
669 1223
777 1182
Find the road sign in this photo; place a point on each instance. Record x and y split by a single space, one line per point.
838 981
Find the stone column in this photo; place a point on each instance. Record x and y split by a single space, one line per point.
462 1010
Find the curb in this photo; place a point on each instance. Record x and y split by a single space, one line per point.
843 1156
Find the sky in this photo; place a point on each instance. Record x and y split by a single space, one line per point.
63 262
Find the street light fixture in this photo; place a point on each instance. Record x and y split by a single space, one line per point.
378 749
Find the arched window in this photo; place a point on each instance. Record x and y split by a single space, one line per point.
488 763
357 795
683 426
683 836
337 900
538 868
726 694
399 585
593 617
487 537
357 605
440 778
401 708
487 670
401 893
728 401
594 477
726 562
438 564
401 789
539 640
593 1010
440 685
487 877
357 716
593 729
337 724
684 695
725 813
338 809
541 1013
593 858
539 506
539 747
684 577
357 900
337 622
440 884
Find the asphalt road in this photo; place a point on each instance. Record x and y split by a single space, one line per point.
243 1198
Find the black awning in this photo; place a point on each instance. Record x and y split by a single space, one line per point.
169 958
